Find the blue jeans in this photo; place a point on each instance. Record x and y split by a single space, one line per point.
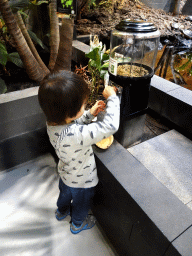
76 200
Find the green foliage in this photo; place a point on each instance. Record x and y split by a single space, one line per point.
106 3
187 65
97 66
15 58
3 87
24 4
98 61
12 57
4 58
91 3
3 54
20 6
38 41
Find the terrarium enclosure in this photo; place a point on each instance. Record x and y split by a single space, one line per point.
133 48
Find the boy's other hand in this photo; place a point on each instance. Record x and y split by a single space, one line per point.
98 107
109 90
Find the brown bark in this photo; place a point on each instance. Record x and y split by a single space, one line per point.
32 67
54 33
30 43
81 4
176 7
65 48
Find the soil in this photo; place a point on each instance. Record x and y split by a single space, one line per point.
101 21
131 71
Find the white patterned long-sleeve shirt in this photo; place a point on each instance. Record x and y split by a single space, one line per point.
73 144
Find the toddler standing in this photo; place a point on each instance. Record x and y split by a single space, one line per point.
62 97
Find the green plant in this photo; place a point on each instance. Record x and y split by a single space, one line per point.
7 45
3 87
4 58
98 63
187 65
60 42
92 3
106 3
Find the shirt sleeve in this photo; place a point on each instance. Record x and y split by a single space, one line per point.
96 131
86 118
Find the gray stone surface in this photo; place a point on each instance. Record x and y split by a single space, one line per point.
162 84
18 109
28 226
12 96
23 125
168 157
182 94
172 102
22 148
163 208
166 5
187 9
79 50
183 244
190 205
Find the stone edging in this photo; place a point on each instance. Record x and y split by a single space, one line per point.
172 102
138 213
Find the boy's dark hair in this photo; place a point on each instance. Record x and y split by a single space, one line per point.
61 95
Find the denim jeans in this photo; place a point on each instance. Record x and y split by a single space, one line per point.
76 200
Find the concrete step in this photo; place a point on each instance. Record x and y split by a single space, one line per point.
28 195
168 158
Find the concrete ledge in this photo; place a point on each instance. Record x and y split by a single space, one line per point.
166 5
22 128
172 102
181 244
24 147
20 113
138 213
78 53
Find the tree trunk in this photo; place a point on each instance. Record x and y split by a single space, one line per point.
31 65
30 43
81 4
65 48
54 34
176 7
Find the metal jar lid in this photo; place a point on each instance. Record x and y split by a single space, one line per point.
135 26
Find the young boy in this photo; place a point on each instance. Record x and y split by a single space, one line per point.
62 96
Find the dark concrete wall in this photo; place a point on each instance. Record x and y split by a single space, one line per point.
187 9
173 102
166 5
138 213
22 128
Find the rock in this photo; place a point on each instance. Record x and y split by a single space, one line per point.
189 18
187 33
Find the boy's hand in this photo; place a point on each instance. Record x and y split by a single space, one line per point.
98 107
109 90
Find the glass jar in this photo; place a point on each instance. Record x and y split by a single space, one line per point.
133 49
